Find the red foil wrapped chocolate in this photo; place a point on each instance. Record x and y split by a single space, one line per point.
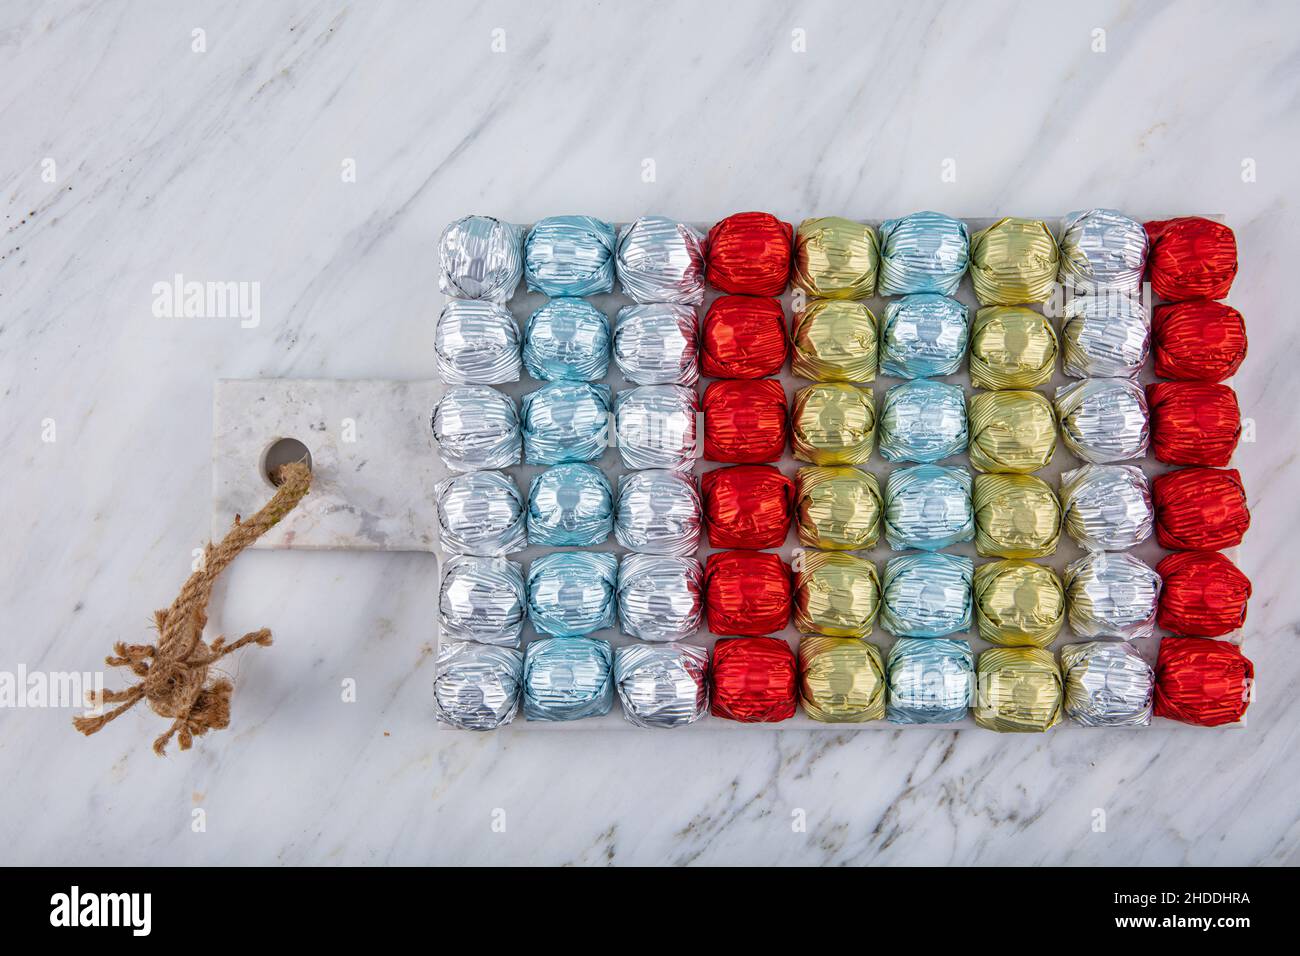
1203 594
746 592
1203 682
1191 258
754 679
1200 509
745 421
747 506
1193 423
744 337
1198 341
750 253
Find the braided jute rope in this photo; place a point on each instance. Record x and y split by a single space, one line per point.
174 671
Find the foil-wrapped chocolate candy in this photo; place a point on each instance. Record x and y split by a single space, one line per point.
837 508
480 258
841 680
482 599
746 592
834 340
476 343
747 506
1011 431
833 423
922 335
1104 420
1016 516
1111 595
1013 261
1107 507
660 597
476 686
755 680
572 593
1011 347
658 512
567 340
568 678
928 507
749 254
1018 690
1191 258
927 594
480 513
1103 250
658 344
1107 684
476 427
923 252
743 337
835 594
569 255
836 258
659 260
931 680
1104 336
570 505
656 426
662 685
745 421
1018 603
922 421
565 421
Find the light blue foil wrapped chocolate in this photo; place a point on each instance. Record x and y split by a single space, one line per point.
922 421
482 599
1111 595
923 252
1103 250
1107 507
569 255
659 260
931 680
923 335
480 513
567 340
476 686
656 426
658 344
1103 420
662 685
658 512
476 343
570 505
927 594
568 678
660 597
565 421
1104 336
571 593
480 258
476 427
1107 684
928 507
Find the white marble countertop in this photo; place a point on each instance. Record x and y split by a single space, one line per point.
127 157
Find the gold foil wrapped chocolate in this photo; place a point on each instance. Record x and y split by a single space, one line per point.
836 258
835 594
837 509
841 680
1017 690
833 423
1011 431
1016 516
835 341
1014 261
1011 347
1018 603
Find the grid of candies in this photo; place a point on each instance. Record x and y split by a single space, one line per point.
1089 271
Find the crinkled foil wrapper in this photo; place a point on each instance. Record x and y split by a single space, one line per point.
482 599
572 593
480 513
658 512
834 341
931 680
480 258
565 421
568 678
1107 684
658 344
923 421
476 686
836 258
928 507
567 340
1013 261
1018 690
660 260
924 334
1104 420
1011 347
570 505
746 421
1016 516
1104 336
837 508
662 685
476 343
841 680
923 252
476 427
835 594
569 255
660 597
1018 603
1011 431
927 594
833 423
1107 507
1112 595
1103 250
656 426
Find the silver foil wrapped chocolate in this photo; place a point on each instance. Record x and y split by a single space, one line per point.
927 594
571 593
476 686
567 340
482 599
922 335
1107 684
476 426
923 252
1111 595
660 597
659 260
570 505
480 258
662 685
931 680
476 343
568 678
928 507
569 255
565 421
658 512
923 421
658 344
480 513
656 426
1103 251
1104 336
1107 507
1103 419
